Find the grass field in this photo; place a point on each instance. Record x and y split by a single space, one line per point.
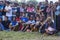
26 36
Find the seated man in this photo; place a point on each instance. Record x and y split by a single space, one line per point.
6 23
37 24
14 24
30 24
24 19
1 8
50 27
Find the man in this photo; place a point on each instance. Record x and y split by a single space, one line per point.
50 27
14 24
6 23
8 10
1 7
23 18
57 13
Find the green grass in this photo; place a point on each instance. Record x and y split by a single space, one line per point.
26 36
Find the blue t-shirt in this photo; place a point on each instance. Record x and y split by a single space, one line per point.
1 8
57 10
13 23
24 19
1 26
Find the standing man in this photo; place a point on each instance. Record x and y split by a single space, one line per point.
1 8
57 13
8 10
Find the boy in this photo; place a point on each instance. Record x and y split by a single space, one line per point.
49 26
8 10
6 23
14 24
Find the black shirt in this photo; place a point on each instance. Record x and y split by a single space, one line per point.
6 24
4 13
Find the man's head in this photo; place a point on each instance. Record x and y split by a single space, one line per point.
49 20
13 18
37 18
1 2
7 3
6 18
51 3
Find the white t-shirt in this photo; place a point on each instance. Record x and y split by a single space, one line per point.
21 9
30 22
50 29
37 22
58 10
9 13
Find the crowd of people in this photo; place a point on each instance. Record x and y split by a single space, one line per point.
28 17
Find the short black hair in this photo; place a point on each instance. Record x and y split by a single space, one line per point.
7 2
13 17
1 1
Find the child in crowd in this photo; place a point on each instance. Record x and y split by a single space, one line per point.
50 27
37 24
8 10
6 23
30 24
19 22
30 10
1 8
14 11
38 10
42 24
23 19
22 10
14 24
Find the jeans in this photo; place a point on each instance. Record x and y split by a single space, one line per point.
1 27
10 18
0 14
